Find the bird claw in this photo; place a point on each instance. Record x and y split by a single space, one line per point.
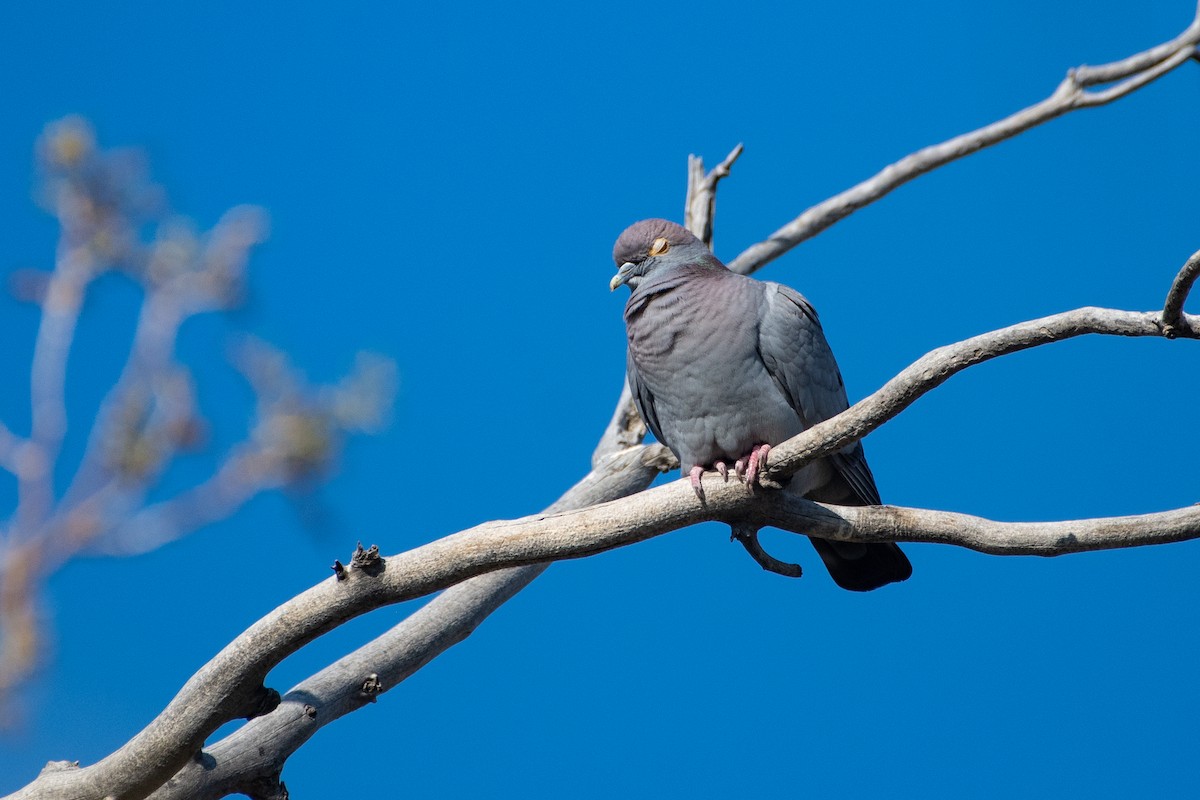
747 467
758 457
697 486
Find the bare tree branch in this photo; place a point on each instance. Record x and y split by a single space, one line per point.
1172 313
934 368
231 682
256 752
573 535
700 205
586 532
1135 72
1139 62
33 462
747 537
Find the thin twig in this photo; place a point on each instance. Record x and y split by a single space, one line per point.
1172 312
48 410
700 205
748 538
1094 99
151 354
10 445
241 476
1116 70
1070 95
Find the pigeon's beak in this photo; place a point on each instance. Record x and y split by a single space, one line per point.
622 276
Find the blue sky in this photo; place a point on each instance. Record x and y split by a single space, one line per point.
445 185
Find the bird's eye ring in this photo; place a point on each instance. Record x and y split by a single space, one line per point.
660 246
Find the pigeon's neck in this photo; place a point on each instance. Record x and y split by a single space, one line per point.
707 261
668 283
704 266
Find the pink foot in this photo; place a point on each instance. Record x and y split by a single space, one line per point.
748 466
694 476
758 457
722 468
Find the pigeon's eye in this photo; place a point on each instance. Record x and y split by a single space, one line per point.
660 246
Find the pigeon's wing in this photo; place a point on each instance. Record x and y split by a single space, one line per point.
642 398
798 358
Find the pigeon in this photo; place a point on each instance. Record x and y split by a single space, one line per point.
722 366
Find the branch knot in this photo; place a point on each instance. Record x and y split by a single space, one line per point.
371 687
369 560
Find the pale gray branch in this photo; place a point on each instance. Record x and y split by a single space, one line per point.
700 204
1116 70
1135 72
935 367
232 681
1172 312
574 534
1137 81
747 536
257 751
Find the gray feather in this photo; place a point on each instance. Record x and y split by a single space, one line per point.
796 353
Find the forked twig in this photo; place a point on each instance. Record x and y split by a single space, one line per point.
1070 95
700 205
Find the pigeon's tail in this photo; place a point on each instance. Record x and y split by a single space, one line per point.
863 567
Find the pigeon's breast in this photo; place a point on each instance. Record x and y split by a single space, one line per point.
695 345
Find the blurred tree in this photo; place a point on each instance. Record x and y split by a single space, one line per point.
113 219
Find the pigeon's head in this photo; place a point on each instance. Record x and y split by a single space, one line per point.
651 246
